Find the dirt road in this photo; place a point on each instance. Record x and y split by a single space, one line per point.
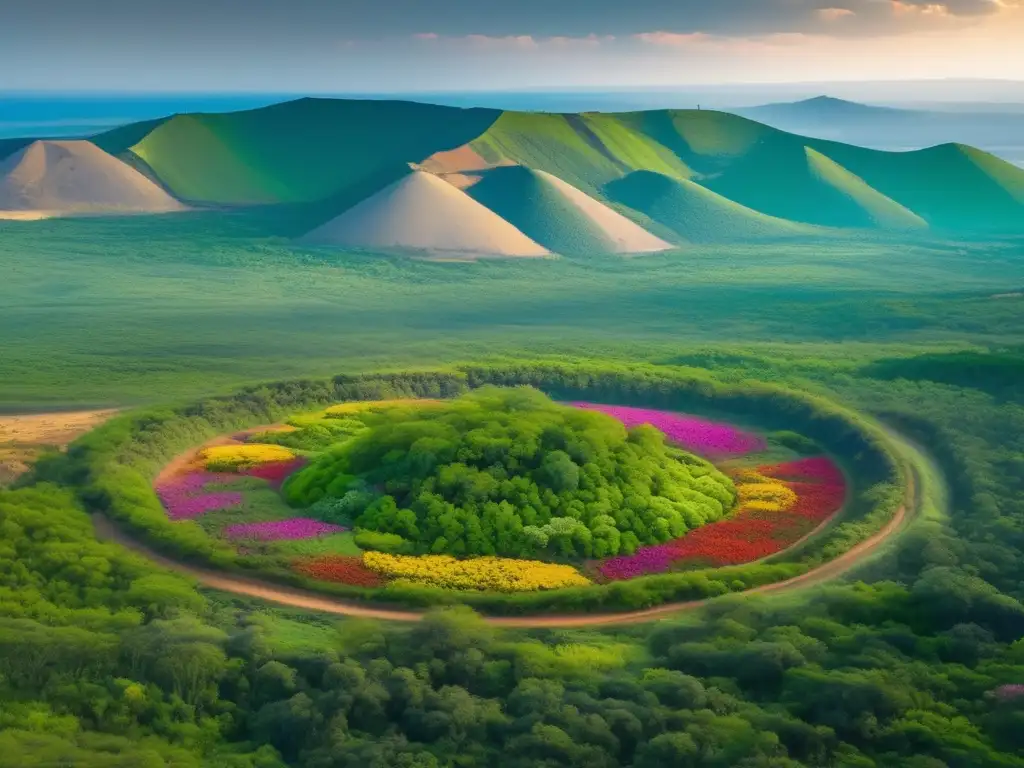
296 598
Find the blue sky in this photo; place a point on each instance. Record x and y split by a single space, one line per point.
402 45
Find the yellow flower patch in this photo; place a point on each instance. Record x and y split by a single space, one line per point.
226 458
496 574
765 494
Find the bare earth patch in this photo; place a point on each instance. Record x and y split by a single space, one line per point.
24 436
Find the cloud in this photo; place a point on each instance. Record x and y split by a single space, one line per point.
834 14
700 42
514 42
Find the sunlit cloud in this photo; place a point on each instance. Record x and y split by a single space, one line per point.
514 42
834 14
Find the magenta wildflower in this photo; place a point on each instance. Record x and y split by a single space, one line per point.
710 438
184 497
282 530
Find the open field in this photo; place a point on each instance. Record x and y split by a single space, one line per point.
144 309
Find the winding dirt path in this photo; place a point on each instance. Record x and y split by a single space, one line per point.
297 598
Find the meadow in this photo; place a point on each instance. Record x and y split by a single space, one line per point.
913 661
118 312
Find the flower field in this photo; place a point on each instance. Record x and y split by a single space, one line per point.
185 497
275 472
775 512
778 504
340 569
709 438
488 573
282 530
229 458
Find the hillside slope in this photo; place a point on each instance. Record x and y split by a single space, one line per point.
695 213
301 151
324 150
422 212
559 216
76 177
952 186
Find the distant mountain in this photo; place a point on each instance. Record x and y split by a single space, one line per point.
567 180
823 108
823 117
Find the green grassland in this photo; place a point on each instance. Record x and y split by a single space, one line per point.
143 309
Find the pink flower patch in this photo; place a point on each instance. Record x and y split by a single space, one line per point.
710 438
185 497
282 530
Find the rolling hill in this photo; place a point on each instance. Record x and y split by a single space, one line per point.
59 178
422 212
559 216
742 178
695 213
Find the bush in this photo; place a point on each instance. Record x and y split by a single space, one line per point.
391 543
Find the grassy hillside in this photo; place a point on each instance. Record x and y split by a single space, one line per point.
695 213
524 197
788 180
951 186
336 152
300 151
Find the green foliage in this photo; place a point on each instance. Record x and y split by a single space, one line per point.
377 541
107 662
508 472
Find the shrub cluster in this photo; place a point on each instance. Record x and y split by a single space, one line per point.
509 472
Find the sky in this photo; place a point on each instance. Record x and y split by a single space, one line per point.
336 46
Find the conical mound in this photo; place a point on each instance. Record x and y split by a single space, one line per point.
425 213
558 215
60 178
695 213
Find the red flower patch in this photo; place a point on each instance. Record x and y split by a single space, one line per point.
343 569
750 534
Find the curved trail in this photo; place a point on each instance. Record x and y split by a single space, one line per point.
307 600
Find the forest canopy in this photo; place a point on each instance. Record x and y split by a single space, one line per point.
509 472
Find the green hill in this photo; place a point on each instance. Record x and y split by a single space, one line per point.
790 181
951 186
335 152
695 213
560 218
301 151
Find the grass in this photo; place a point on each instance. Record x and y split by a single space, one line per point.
695 213
530 202
301 151
116 312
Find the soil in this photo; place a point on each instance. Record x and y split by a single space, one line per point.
24 436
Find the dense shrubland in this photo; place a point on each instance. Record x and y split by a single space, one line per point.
508 472
105 661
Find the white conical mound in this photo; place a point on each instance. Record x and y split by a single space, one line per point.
61 178
623 235
425 213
